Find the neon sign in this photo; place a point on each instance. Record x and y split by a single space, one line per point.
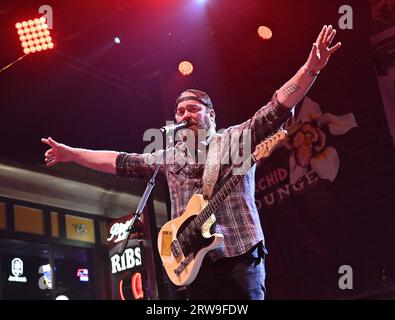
17 271
82 273
45 281
131 258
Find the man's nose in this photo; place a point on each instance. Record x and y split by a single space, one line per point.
185 116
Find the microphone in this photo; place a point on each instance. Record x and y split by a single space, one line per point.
174 127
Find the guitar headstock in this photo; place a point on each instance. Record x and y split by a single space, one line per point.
266 147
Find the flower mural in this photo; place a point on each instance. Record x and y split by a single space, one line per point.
307 141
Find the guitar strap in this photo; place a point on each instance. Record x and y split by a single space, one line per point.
212 165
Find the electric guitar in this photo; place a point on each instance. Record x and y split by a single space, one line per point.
183 242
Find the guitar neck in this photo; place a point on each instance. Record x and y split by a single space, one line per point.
220 196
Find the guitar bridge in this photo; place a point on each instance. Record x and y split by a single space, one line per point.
183 264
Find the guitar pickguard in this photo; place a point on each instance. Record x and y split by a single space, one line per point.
196 240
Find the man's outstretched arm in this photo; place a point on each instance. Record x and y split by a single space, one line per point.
103 161
296 88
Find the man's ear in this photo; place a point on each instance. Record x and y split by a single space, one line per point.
212 114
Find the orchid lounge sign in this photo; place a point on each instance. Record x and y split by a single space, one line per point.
310 157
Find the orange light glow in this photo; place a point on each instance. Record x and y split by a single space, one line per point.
265 33
185 68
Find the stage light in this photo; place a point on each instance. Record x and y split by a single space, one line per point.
185 68
265 33
34 35
117 40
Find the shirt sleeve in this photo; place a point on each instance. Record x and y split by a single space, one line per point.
138 166
265 121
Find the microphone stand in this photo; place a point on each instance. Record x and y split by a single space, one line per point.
143 201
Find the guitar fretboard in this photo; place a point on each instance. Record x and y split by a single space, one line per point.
221 195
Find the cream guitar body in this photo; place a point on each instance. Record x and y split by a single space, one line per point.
201 241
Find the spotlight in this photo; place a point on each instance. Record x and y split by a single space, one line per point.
265 33
185 68
117 40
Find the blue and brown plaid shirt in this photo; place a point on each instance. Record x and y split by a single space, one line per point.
237 218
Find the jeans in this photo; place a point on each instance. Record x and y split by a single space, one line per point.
241 278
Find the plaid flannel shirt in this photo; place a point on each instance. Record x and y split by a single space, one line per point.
237 218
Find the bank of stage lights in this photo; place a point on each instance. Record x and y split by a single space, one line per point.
34 35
